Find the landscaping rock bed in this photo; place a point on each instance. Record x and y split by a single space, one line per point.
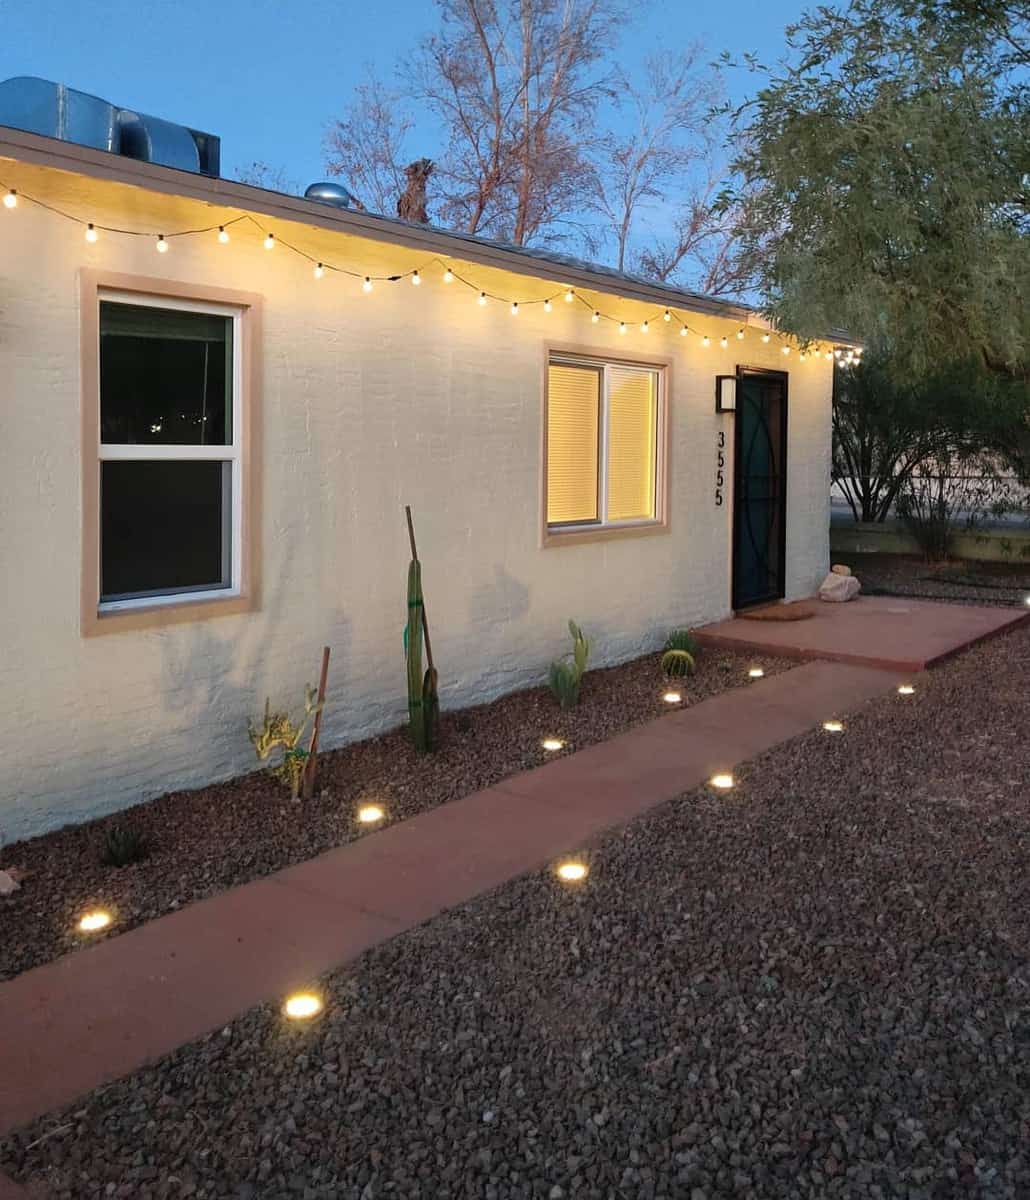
967 582
816 985
205 841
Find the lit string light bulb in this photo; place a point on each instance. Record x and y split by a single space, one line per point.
448 276
595 318
319 270
482 299
645 327
828 355
667 316
91 233
367 285
223 235
416 278
269 241
740 335
622 327
802 356
547 306
11 199
765 338
515 308
723 342
162 245
706 341
683 331
786 350
570 295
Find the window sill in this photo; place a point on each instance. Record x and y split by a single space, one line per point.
163 612
601 533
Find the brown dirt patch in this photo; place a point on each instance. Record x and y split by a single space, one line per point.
216 837
813 987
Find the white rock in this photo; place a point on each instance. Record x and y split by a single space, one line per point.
7 884
838 588
840 569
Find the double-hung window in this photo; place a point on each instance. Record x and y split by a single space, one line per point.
170 427
605 452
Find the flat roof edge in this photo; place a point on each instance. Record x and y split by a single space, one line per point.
43 151
21 146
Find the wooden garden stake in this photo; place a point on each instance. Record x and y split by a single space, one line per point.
309 766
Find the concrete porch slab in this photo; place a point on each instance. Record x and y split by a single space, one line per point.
894 633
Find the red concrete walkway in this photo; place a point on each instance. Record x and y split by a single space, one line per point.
103 1012
892 632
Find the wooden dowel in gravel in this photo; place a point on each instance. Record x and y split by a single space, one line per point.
309 766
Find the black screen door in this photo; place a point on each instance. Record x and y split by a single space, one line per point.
760 487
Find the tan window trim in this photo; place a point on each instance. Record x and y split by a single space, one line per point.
577 535
91 620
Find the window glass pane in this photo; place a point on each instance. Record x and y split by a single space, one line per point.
573 411
165 376
632 443
165 527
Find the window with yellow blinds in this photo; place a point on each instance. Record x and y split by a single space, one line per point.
632 443
603 443
573 443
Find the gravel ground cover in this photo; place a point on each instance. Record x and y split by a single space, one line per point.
816 985
207 840
965 582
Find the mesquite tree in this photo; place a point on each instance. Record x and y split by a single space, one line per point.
886 162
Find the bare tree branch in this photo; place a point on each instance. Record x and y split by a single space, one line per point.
367 146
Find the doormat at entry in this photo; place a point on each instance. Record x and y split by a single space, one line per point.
796 610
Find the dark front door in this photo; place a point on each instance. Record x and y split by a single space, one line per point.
760 487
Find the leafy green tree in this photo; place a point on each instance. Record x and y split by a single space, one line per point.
887 169
889 431
881 433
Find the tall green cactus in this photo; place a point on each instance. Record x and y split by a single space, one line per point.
423 702
417 715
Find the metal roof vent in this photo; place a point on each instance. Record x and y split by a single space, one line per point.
53 110
58 111
332 193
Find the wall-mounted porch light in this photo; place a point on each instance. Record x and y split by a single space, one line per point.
725 393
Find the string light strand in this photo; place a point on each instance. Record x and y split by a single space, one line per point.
320 267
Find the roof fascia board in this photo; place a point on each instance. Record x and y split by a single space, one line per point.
99 164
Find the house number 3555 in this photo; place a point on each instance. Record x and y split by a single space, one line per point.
720 462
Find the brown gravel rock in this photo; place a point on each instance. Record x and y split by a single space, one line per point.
962 582
797 989
202 842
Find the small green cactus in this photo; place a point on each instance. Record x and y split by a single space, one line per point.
567 672
680 656
278 729
123 846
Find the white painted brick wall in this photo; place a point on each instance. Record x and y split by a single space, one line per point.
370 402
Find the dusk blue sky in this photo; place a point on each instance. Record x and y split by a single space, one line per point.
267 76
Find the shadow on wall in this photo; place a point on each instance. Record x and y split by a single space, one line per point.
505 599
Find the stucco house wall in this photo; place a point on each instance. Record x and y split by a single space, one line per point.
368 402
